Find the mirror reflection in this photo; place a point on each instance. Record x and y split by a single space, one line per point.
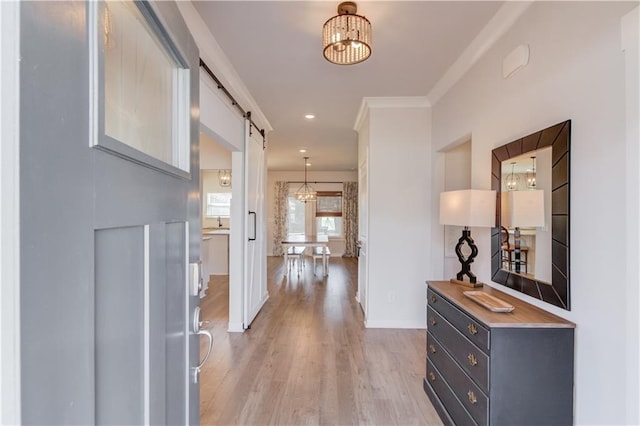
533 212
528 172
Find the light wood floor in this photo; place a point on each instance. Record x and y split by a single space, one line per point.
308 360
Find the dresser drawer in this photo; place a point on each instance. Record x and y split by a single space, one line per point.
469 394
468 326
445 395
466 354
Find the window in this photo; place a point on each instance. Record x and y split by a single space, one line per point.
142 98
296 213
218 204
331 226
329 204
329 213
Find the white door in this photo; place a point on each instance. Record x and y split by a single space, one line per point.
109 222
255 283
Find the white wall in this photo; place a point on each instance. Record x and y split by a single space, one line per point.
214 155
399 211
457 176
218 118
336 245
576 71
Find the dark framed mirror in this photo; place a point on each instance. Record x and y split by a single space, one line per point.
541 162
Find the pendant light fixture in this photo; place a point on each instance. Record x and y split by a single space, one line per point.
224 177
512 179
531 177
306 193
346 38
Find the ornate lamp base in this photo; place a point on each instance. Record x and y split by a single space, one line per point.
466 261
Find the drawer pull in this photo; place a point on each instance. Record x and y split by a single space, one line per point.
472 397
473 361
432 376
432 349
472 328
433 321
433 298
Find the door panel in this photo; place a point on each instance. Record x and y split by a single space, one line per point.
119 320
156 248
255 246
177 326
105 243
140 275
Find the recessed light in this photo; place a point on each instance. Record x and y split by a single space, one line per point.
309 116
303 150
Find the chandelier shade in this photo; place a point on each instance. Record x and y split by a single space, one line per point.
306 194
346 38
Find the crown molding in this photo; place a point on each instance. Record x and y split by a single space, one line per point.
213 55
504 19
388 102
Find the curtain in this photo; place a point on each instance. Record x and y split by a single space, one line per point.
280 217
350 218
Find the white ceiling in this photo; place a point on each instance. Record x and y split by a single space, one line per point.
276 49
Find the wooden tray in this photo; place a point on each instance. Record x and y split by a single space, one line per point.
488 301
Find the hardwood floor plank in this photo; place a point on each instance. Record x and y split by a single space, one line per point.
308 360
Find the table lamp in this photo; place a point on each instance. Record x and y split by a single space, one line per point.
522 209
468 208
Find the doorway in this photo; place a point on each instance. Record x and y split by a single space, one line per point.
216 186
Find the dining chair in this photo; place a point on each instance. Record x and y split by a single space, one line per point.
296 254
507 256
323 254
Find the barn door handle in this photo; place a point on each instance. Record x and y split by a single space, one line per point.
255 225
197 324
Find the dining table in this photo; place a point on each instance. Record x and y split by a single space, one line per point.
306 240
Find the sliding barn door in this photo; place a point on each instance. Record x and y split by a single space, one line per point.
255 283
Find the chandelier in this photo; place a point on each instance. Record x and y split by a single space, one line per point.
512 179
531 177
346 38
306 193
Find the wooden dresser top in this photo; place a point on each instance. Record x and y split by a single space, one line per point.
524 314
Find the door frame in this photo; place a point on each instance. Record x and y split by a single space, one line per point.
10 390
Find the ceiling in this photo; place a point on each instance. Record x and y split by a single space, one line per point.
276 49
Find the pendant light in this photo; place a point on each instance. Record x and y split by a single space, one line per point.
306 193
224 178
531 177
346 38
512 179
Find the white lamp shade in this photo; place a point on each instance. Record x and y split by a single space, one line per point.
523 209
469 207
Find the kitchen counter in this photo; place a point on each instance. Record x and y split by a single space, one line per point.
215 231
214 253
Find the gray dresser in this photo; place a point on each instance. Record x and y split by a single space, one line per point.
491 368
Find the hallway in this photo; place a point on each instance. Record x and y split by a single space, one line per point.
308 359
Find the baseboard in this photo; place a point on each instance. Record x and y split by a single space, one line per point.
419 325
